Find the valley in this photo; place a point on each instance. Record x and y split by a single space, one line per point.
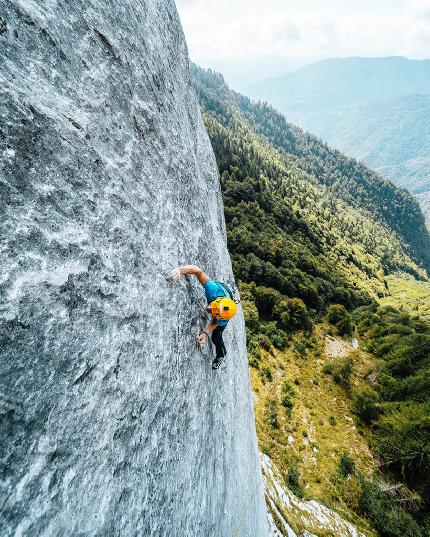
374 109
325 251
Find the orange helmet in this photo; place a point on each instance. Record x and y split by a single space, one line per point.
223 308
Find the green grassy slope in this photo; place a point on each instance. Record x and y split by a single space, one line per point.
309 434
408 294
341 423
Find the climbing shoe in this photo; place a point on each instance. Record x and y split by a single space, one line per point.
217 362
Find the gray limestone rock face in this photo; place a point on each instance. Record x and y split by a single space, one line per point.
111 422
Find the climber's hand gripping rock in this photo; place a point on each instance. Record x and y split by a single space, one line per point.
174 276
201 339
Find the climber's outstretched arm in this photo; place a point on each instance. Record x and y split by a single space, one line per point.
189 269
197 271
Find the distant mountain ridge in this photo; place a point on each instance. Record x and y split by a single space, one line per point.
243 71
340 81
374 109
392 136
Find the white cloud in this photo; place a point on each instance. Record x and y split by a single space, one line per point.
420 7
224 28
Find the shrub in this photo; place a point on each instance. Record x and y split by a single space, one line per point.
282 314
250 313
253 352
292 313
365 403
266 374
301 347
341 370
266 450
293 482
346 465
350 491
299 315
340 318
386 516
396 329
266 300
332 420
265 342
287 393
272 414
278 337
253 345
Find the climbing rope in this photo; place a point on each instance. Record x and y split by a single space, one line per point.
244 513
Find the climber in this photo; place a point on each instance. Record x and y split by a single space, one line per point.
221 305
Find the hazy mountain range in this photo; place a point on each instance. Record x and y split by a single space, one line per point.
375 109
242 71
392 136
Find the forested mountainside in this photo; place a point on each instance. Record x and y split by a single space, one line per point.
313 223
309 230
345 178
374 109
392 136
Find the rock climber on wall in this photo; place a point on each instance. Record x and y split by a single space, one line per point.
221 305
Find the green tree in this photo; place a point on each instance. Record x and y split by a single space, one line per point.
341 369
389 519
346 465
293 482
338 316
287 393
365 403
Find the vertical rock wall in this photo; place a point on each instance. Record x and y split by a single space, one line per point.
111 422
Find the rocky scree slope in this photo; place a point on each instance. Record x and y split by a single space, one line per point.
112 423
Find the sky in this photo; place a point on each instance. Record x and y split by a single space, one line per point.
306 28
